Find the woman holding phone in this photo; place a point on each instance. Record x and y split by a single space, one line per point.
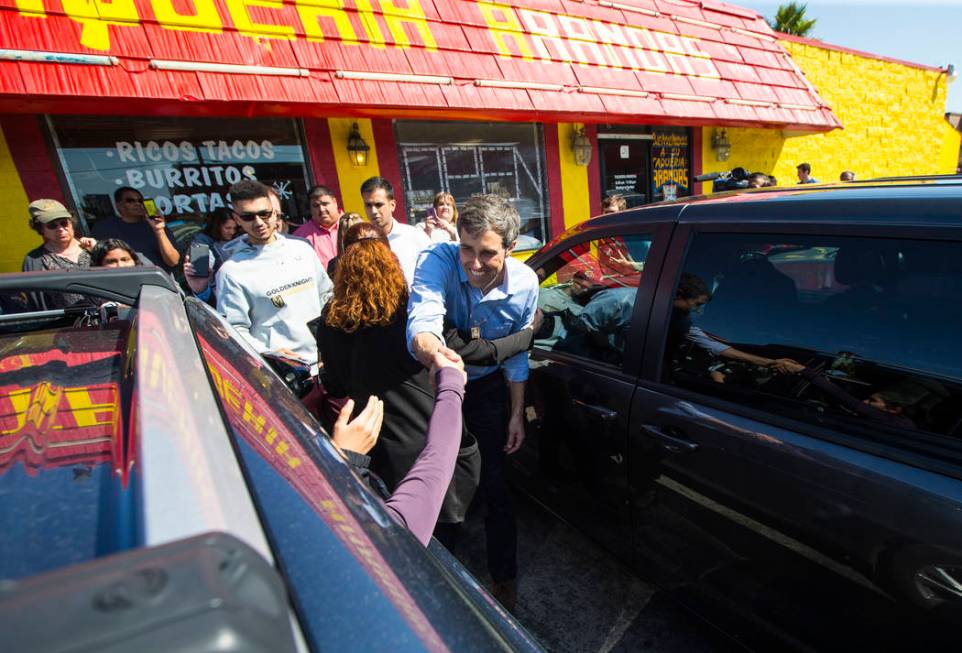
219 230
441 223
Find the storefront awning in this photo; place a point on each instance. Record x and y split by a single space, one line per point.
684 62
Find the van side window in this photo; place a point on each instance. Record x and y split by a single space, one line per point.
587 296
835 330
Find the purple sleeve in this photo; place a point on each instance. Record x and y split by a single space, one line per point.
416 501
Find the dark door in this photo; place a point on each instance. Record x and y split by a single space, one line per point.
625 169
794 441
584 372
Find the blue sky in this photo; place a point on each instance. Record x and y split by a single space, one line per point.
927 32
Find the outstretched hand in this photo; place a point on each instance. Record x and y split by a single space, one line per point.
360 434
787 366
445 357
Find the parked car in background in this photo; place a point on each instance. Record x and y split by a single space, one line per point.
756 400
162 489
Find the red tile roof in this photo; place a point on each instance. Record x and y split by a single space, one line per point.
685 61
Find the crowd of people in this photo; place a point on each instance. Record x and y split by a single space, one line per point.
416 336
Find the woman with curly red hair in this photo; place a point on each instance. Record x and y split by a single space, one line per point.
361 340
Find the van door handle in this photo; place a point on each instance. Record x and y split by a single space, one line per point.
674 441
606 414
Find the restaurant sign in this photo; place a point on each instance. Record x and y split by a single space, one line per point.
512 31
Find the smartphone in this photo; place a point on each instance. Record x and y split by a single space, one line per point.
151 207
200 259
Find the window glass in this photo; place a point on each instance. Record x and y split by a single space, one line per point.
670 163
185 165
587 296
306 495
470 158
826 328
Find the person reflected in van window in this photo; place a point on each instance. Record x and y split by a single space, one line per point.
896 405
603 323
690 298
560 304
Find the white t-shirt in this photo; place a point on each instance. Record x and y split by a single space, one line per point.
407 243
438 235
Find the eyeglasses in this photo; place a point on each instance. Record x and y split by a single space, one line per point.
53 225
250 217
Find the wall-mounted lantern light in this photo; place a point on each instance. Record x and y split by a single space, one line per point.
581 146
720 145
357 148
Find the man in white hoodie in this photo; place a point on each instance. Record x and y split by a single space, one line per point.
272 285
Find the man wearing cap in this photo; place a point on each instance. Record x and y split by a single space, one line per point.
146 234
61 250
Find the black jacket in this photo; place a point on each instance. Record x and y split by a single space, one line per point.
375 361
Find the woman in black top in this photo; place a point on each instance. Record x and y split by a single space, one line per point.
362 342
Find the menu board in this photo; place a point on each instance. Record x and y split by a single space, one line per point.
670 163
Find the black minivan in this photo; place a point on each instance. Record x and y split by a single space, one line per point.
756 400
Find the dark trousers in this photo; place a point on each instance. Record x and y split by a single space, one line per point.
486 410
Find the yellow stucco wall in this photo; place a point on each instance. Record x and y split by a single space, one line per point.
574 178
349 176
18 237
893 118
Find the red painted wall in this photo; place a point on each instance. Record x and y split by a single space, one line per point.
552 160
696 160
320 154
389 164
33 159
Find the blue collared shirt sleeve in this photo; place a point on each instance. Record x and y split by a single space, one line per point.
701 339
426 304
516 367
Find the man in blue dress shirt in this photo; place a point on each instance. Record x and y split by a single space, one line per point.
480 289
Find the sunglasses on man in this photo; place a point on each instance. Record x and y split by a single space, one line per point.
250 217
